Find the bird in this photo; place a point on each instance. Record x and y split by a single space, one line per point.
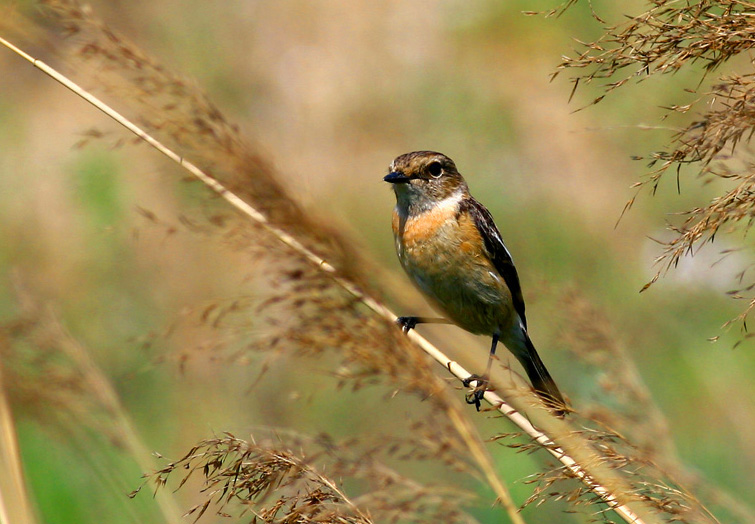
451 249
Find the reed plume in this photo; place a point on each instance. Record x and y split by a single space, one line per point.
699 37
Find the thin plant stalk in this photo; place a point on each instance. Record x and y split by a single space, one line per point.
14 501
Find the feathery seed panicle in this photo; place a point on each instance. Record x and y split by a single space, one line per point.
668 37
620 419
281 477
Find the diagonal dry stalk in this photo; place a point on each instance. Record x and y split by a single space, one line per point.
581 461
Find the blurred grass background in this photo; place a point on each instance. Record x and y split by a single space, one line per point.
332 92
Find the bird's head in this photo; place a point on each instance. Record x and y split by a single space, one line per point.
423 178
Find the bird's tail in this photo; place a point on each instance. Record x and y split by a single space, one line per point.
541 380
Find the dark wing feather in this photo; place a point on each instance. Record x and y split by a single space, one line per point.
498 253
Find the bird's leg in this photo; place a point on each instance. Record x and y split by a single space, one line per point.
409 323
475 396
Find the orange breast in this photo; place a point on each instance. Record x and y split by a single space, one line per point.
444 255
420 229
472 243
438 238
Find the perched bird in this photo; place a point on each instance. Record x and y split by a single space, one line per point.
452 251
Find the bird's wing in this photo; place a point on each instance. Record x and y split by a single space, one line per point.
499 255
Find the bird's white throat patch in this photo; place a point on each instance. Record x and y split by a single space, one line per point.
408 197
451 201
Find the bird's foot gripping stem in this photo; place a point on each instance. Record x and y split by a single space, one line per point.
481 386
407 323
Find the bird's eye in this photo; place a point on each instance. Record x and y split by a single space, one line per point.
435 169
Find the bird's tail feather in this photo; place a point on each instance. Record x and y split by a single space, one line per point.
541 380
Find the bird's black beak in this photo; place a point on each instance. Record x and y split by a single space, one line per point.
396 177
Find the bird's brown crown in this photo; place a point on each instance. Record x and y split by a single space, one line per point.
429 172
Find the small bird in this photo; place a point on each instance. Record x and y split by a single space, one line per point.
453 252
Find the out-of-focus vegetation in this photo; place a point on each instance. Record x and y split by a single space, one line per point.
139 315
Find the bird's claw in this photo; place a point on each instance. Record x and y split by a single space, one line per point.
407 323
481 381
475 396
